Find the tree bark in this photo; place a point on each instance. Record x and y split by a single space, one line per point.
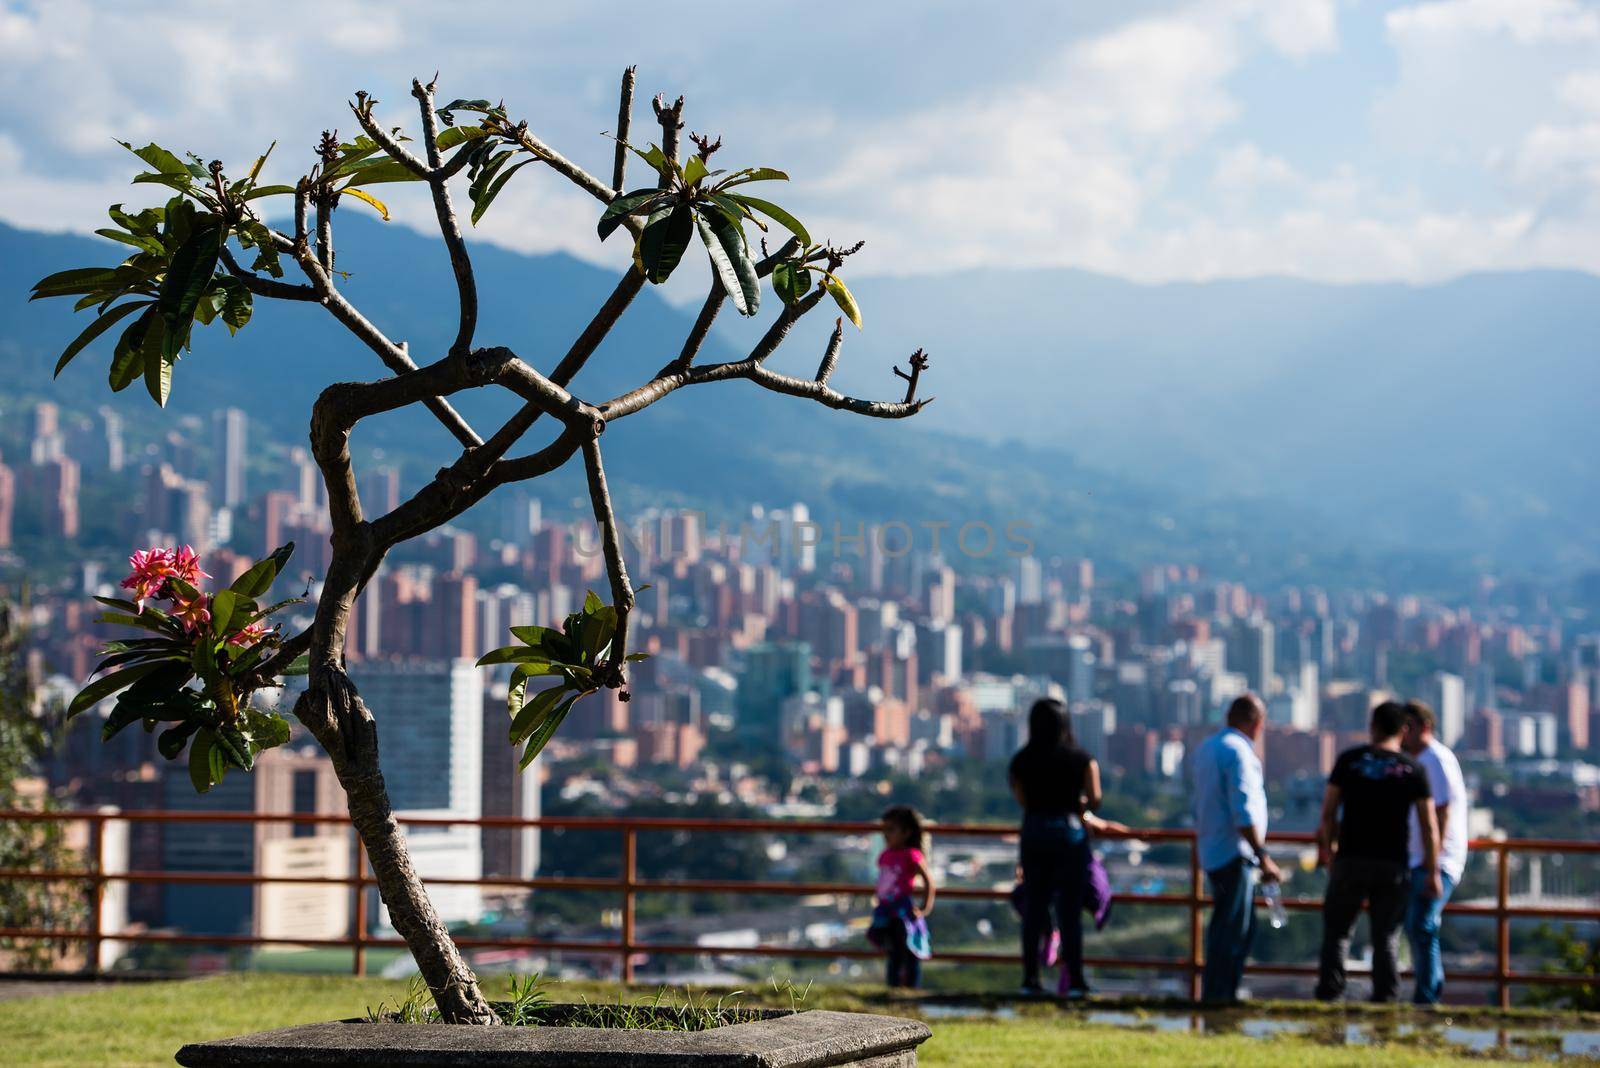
336 716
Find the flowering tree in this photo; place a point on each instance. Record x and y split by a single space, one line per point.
209 654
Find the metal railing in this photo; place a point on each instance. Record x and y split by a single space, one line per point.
628 885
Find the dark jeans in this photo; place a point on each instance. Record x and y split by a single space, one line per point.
1232 929
1385 888
1055 858
904 968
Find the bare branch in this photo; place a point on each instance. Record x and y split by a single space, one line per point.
564 166
394 149
830 356
393 356
702 327
616 568
325 231
266 287
460 262
671 119
672 377
919 364
570 364
619 165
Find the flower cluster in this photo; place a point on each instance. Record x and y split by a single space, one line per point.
151 570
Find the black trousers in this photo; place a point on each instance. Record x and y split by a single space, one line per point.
1055 858
1384 887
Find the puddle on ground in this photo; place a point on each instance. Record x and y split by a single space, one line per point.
1524 1041
937 1011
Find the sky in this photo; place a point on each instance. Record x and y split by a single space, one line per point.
1338 140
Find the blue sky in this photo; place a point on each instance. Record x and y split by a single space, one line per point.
1331 139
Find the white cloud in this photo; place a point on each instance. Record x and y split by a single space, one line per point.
1123 141
1527 21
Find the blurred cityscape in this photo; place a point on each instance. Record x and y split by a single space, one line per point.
798 669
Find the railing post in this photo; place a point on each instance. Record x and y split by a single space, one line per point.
1196 958
97 888
359 935
1503 929
630 874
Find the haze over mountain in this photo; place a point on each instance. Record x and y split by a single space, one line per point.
1460 416
1272 427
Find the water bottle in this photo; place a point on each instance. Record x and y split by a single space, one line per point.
1272 894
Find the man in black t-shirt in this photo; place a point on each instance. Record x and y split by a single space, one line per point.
1365 825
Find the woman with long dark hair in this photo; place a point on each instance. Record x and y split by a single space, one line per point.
1056 783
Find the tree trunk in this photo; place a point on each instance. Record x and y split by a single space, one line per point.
336 716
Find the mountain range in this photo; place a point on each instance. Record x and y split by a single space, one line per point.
1271 429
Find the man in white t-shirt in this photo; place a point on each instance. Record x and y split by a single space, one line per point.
1451 802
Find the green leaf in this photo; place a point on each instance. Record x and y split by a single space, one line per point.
791 281
776 214
261 191
258 580
107 685
77 280
447 113
127 360
511 654
206 763
535 636
481 202
592 602
730 258
300 665
170 742
694 170
236 308
157 367
266 729
234 747
846 301
638 202
754 174
188 276
163 161
96 328
546 731
381 172
532 714
222 611
451 136
664 241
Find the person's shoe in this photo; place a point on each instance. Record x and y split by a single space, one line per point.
1077 993
1031 990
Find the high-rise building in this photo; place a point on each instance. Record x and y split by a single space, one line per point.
772 672
431 716
1446 694
1252 654
507 791
50 493
229 445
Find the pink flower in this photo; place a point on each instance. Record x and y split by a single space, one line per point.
186 565
194 613
153 567
249 635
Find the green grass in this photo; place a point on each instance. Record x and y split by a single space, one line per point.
136 1024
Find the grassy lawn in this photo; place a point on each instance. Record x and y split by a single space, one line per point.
145 1023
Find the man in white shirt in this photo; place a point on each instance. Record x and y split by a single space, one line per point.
1450 800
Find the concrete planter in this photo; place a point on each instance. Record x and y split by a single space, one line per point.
776 1039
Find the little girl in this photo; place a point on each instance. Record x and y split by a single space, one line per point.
899 927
